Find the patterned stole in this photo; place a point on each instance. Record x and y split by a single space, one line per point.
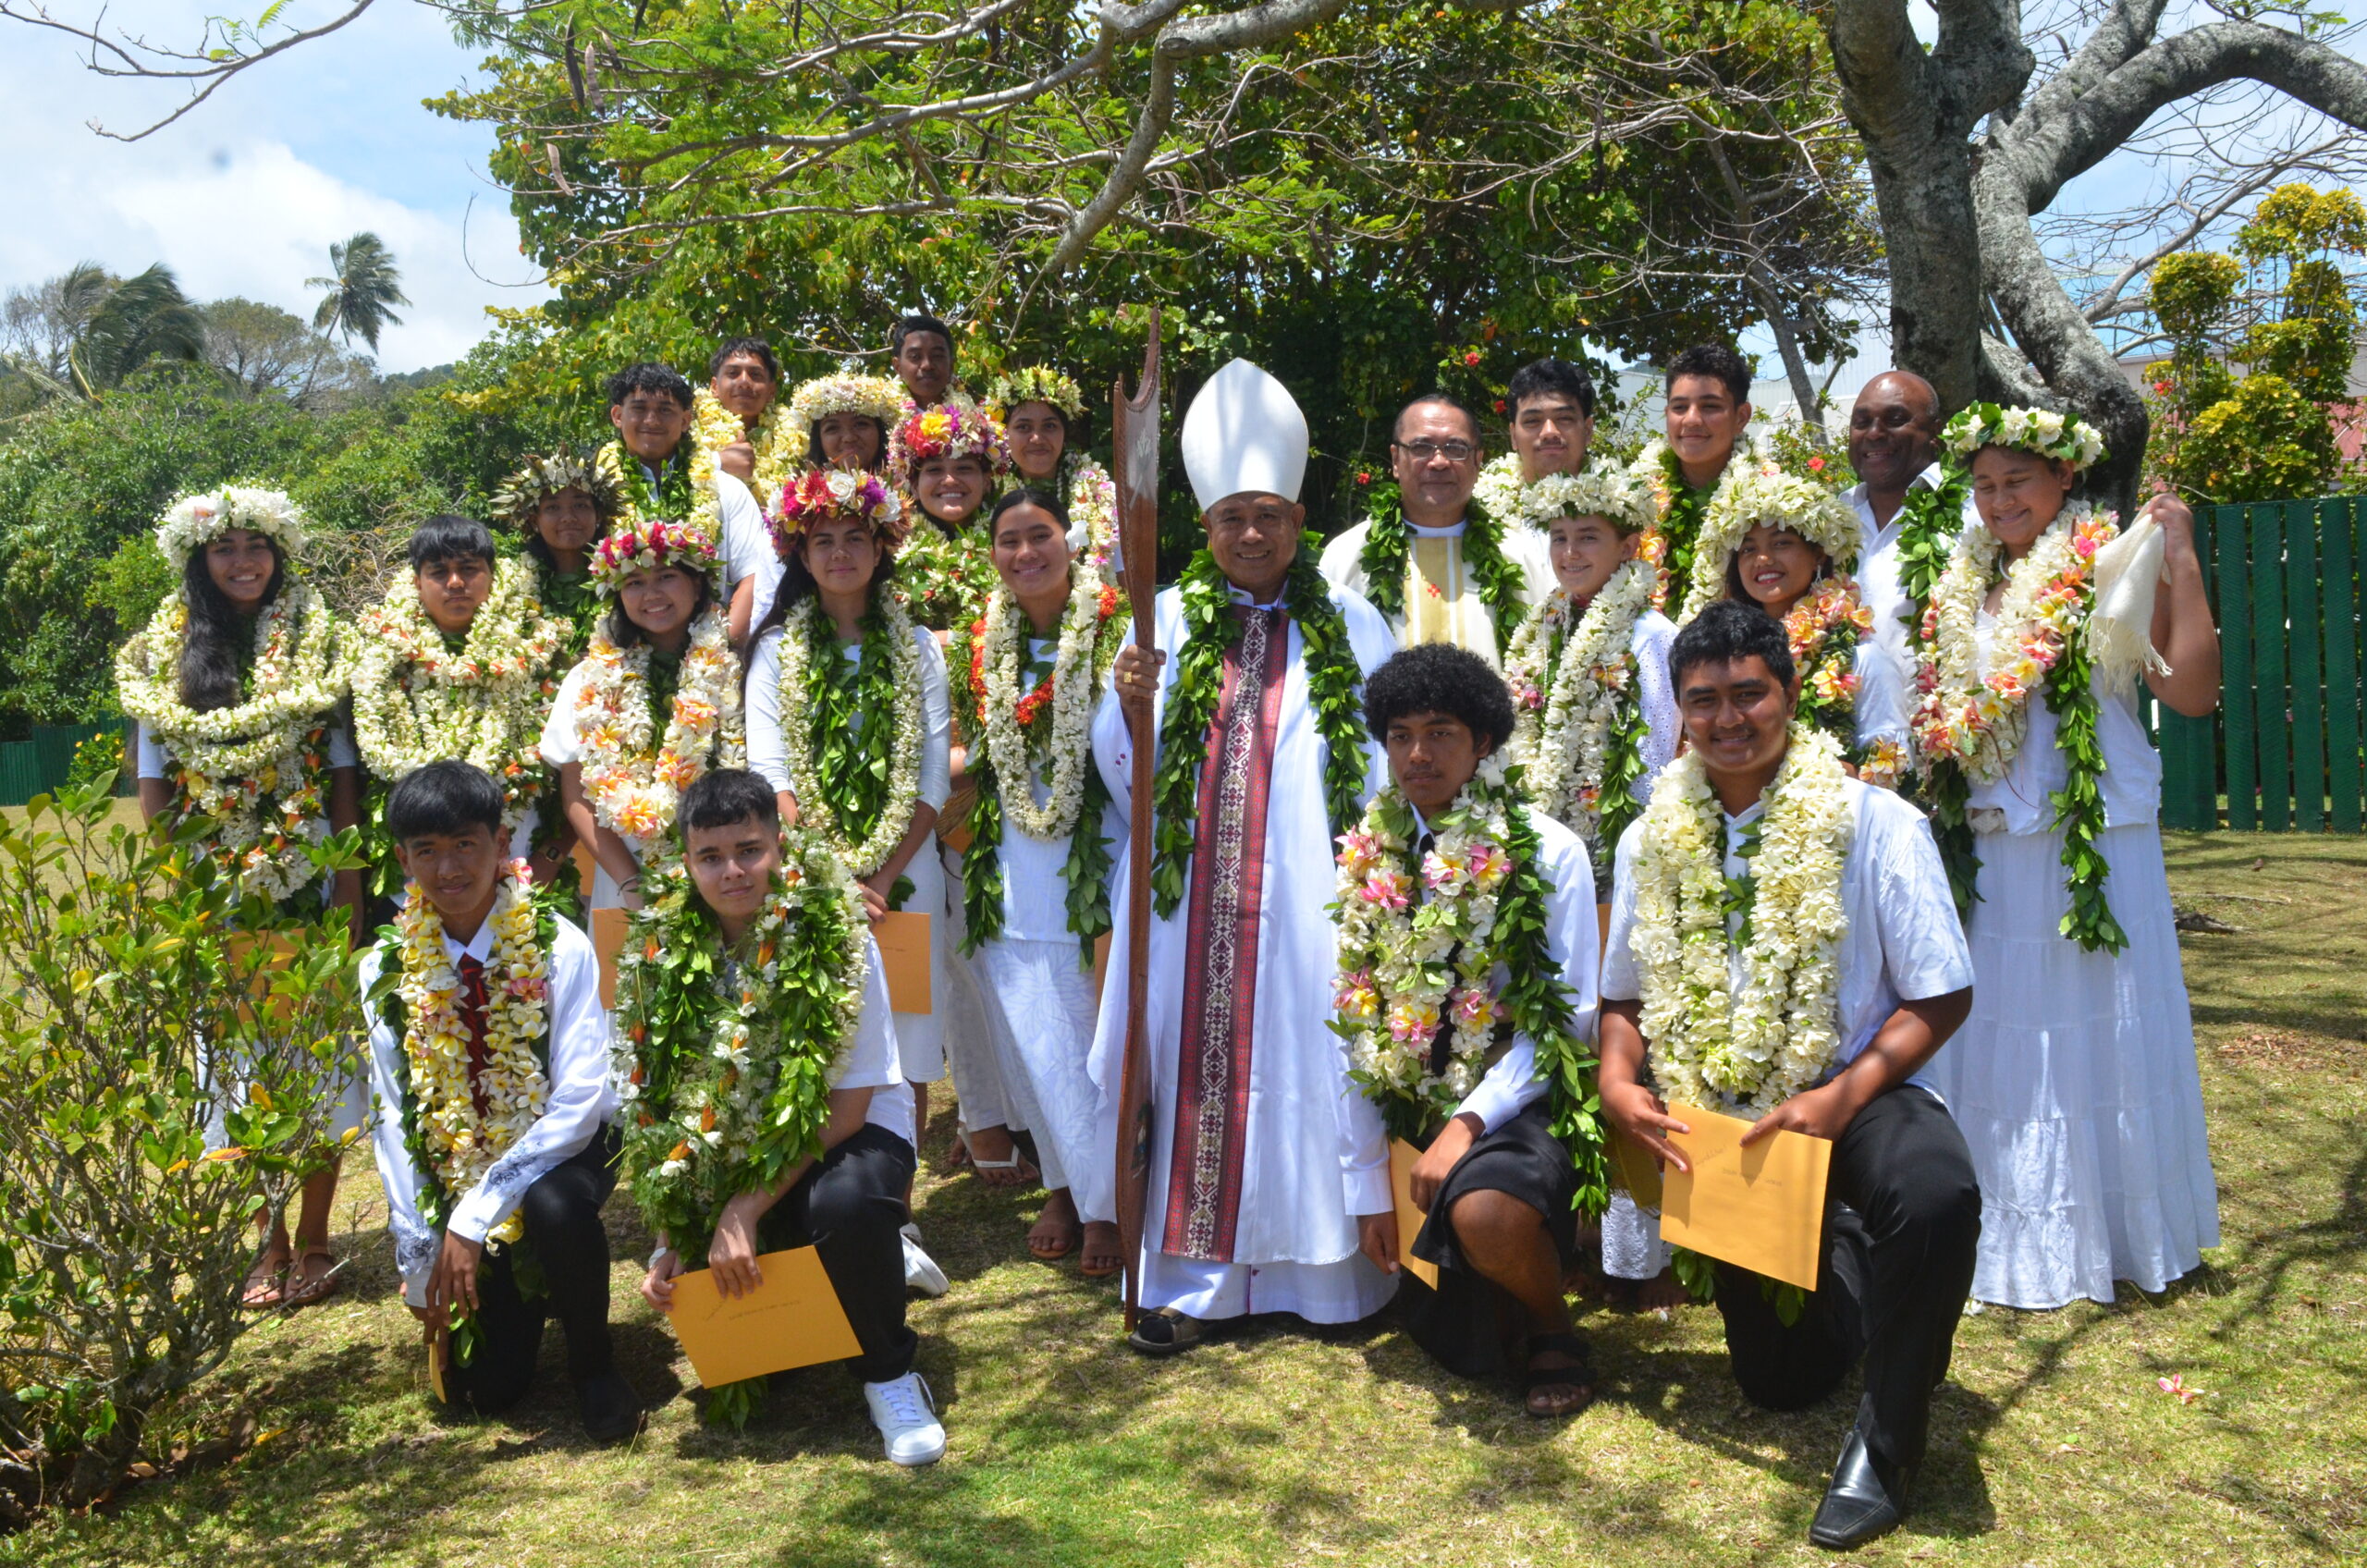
1442 600
1221 968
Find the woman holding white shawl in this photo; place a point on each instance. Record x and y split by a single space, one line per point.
2075 1080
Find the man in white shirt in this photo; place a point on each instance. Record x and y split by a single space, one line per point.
1895 447
553 1176
1439 570
847 1202
1903 1216
650 407
1497 1185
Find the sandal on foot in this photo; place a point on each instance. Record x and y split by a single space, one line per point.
992 1172
1578 1375
1050 1247
1165 1332
307 1290
267 1283
1109 1262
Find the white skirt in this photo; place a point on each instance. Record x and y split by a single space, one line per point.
985 1087
1042 1004
2074 1082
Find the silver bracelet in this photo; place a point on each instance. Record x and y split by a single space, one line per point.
662 1250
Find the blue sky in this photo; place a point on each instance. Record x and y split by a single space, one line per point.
245 195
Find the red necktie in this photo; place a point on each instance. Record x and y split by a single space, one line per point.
472 1000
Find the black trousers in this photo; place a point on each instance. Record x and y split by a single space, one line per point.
571 1251
1902 1219
849 1208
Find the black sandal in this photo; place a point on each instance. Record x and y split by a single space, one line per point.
1578 1375
1165 1333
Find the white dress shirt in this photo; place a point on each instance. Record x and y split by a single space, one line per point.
581 1098
768 753
1903 941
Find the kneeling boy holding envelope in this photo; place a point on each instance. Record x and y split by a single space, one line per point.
765 1110
1841 972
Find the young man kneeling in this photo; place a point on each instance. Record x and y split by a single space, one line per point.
767 1108
1845 968
1467 993
489 1059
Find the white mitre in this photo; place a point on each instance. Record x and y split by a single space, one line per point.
1243 433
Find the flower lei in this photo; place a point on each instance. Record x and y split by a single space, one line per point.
854 744
723 1059
1969 724
945 430
451 1144
191 521
1093 514
1753 1049
1681 507
819 495
717 427
415 700
521 495
1823 630
1388 544
1931 519
683 493
633 777
258 769
1578 713
1035 384
1498 491
1406 971
1334 688
945 578
1012 734
1763 491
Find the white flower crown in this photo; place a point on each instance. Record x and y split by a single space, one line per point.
193 521
1606 492
2065 437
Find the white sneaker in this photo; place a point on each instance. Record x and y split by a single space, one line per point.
921 1272
906 1416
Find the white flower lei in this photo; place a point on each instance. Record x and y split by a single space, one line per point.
256 768
1076 693
1498 491
1092 516
2042 431
1395 986
717 427
415 702
797 735
633 785
1710 1046
1562 737
459 1144
1981 718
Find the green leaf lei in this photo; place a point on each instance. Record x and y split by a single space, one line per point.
1334 685
1932 518
434 1200
854 724
1388 542
726 1057
1681 522
1085 873
945 578
670 497
572 599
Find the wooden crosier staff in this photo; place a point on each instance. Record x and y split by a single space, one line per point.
1136 456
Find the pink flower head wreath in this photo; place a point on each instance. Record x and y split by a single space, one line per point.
948 430
648 544
822 495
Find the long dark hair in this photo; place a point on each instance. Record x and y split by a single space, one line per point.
797 584
1735 591
210 647
625 634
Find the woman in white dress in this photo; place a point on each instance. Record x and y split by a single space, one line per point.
1595 723
1035 875
654 702
2074 1080
237 685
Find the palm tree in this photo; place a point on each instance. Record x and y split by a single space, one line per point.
93 329
363 287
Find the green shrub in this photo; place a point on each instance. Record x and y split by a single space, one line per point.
124 1239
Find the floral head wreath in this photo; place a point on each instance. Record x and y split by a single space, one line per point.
648 544
845 393
821 495
1768 492
948 430
2050 435
193 521
1035 384
1609 492
523 494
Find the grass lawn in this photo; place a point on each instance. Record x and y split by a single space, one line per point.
2051 1442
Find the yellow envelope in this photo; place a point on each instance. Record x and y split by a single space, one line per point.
902 937
792 1319
607 941
1401 1156
586 868
1638 1168
1761 1209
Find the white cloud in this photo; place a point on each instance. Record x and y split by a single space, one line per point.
244 195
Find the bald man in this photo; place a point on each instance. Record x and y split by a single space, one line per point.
1895 447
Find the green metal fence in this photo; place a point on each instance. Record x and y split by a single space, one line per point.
2283 751
40 763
